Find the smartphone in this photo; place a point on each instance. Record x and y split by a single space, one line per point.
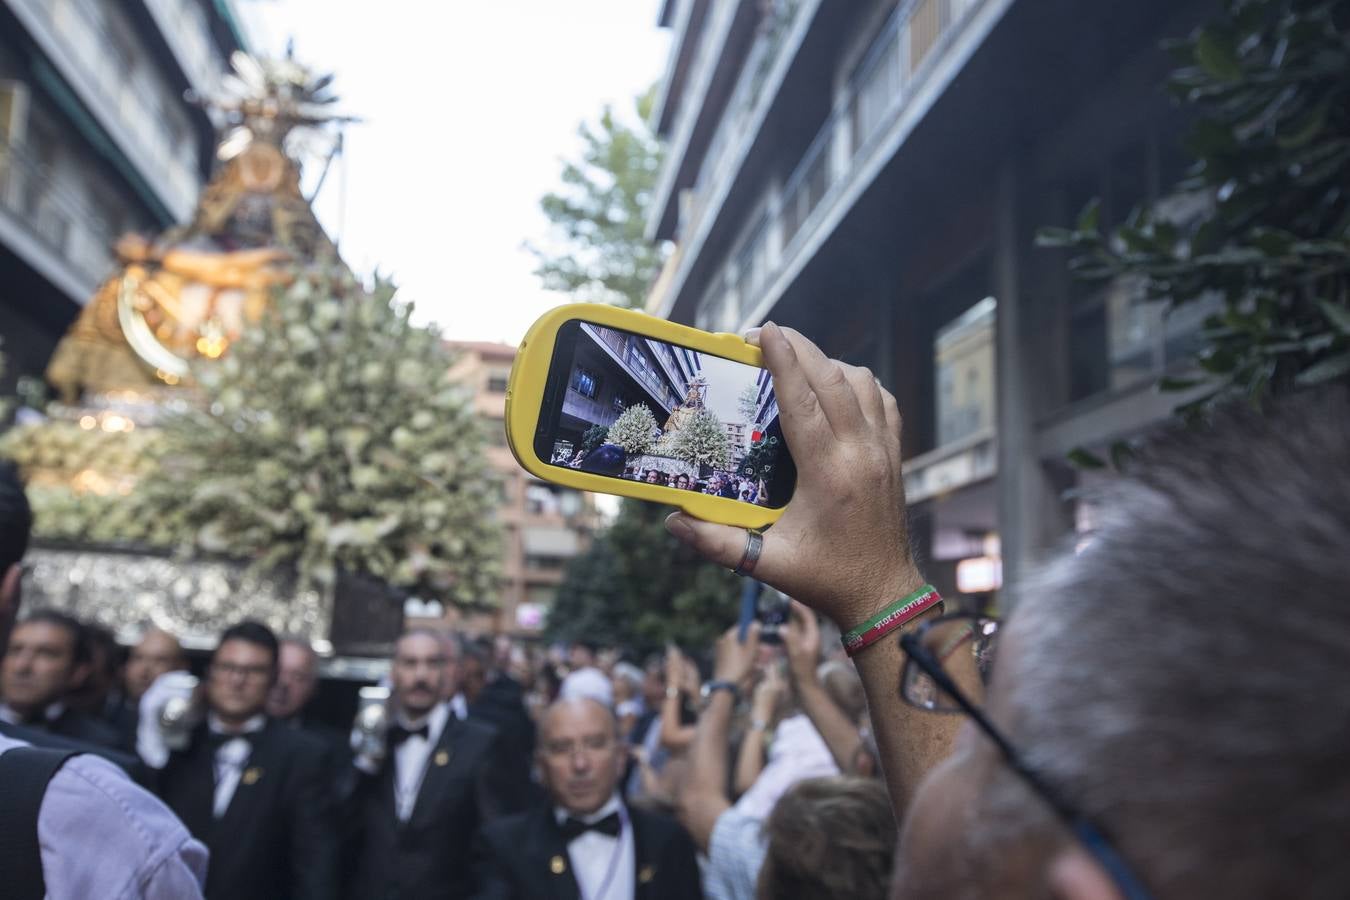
617 401
774 608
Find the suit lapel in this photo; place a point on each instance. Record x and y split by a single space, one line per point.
261 769
546 855
195 792
645 858
443 765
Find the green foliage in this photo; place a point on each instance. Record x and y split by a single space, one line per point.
331 438
633 430
594 437
702 441
599 216
761 455
1269 82
638 587
748 403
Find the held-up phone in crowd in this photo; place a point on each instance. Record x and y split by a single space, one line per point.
774 608
619 402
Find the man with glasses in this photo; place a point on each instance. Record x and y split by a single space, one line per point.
1166 713
251 789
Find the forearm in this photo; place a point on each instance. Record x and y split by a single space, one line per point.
910 741
840 734
750 759
708 753
675 736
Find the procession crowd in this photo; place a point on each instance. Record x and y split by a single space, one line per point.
1154 723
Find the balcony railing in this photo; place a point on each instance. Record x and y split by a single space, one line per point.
896 64
56 217
740 110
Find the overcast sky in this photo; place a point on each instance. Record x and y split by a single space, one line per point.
469 108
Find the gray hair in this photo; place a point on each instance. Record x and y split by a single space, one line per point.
1183 680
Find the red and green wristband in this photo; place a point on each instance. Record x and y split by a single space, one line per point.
906 609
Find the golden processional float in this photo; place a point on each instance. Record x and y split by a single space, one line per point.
177 300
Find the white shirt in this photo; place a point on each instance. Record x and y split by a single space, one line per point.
50 714
231 757
596 857
459 706
410 759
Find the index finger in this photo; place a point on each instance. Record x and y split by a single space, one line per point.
804 422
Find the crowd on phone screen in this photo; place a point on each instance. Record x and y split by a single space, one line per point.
1165 715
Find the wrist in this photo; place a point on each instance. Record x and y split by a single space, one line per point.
877 596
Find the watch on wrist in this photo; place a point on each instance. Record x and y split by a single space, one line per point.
710 687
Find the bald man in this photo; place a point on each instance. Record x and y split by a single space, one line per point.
155 653
585 842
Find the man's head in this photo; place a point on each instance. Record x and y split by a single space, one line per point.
581 655
297 678
454 665
580 756
418 671
1181 681
654 682
829 837
155 653
475 664
105 665
242 672
48 656
16 521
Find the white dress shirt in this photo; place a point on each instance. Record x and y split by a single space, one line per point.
231 758
598 858
50 714
459 706
410 758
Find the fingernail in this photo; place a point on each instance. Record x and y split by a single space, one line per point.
751 336
677 525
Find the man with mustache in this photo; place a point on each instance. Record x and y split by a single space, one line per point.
417 807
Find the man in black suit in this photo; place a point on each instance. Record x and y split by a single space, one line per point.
254 791
288 703
586 842
47 658
418 804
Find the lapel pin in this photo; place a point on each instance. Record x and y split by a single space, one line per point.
557 866
442 757
646 874
252 775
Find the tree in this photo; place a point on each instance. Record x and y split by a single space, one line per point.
1269 82
633 430
757 463
748 403
331 438
594 437
638 587
702 441
599 216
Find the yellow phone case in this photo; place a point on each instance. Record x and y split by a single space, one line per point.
525 391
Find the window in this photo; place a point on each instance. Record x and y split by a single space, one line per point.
585 382
540 563
497 383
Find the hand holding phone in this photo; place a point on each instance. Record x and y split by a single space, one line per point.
616 401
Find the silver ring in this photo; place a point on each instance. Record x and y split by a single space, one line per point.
754 543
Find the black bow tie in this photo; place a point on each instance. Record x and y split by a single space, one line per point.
218 739
575 828
398 734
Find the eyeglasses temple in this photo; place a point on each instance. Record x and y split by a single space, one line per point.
1087 833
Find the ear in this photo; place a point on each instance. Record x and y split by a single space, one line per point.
1074 875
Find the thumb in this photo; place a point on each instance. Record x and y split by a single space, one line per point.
722 544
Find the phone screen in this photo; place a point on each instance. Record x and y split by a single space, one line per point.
629 406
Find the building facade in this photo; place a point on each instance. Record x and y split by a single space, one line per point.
873 173
544 525
97 139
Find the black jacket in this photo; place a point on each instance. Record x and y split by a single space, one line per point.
79 727
468 782
128 763
277 839
523 857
